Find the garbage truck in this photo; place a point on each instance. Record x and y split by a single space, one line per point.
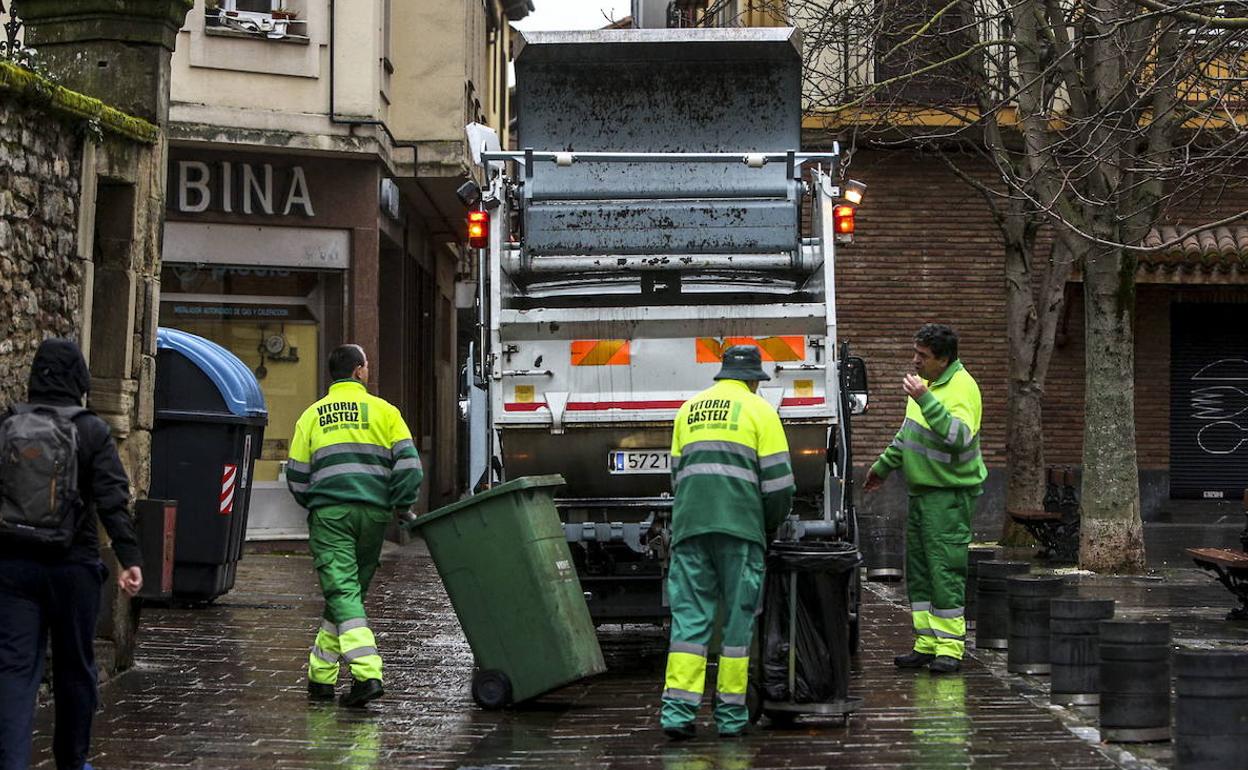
653 217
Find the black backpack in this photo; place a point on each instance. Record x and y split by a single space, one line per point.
39 474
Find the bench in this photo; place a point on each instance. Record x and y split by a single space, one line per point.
1231 567
1056 532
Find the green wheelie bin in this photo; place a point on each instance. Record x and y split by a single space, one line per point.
505 563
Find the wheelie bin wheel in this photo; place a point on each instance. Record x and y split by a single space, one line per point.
855 612
781 720
491 689
754 700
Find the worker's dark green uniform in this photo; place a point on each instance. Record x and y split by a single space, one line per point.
937 449
352 464
733 483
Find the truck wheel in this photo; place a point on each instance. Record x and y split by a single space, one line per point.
491 689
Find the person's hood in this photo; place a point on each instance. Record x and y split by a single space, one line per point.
59 373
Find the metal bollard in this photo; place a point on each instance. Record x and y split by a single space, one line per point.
1211 709
1074 650
1135 681
992 611
1029 621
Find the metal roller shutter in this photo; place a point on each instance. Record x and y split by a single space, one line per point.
1209 401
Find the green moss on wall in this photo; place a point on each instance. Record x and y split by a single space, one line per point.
74 105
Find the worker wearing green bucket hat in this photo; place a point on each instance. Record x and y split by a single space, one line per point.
733 484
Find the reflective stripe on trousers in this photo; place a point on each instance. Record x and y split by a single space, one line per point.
733 678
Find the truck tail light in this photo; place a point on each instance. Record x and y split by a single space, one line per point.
843 220
478 229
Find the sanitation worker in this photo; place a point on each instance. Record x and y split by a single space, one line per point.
353 466
937 449
733 485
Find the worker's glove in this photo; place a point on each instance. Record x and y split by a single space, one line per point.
788 529
405 517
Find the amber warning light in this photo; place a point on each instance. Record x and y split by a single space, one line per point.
843 220
478 229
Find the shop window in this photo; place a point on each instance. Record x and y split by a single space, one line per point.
273 319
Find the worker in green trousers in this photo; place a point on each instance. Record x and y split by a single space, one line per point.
733 484
352 465
938 451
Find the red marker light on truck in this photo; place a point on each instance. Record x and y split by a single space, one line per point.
843 220
478 229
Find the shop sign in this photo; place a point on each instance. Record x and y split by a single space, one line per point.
245 188
238 311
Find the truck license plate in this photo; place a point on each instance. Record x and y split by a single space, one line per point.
639 461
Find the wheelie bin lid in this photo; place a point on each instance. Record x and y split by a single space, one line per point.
236 383
524 482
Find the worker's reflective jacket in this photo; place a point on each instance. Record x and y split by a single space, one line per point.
730 465
938 444
353 447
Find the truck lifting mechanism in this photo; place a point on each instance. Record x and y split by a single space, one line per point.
652 219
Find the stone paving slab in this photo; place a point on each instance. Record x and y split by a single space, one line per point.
223 687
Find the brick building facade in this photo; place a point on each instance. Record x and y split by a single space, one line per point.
926 249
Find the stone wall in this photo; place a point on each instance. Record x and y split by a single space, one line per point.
81 202
40 273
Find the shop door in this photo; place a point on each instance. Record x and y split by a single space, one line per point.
1208 402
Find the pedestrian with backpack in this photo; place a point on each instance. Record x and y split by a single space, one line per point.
59 475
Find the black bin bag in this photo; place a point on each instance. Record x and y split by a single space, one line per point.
820 571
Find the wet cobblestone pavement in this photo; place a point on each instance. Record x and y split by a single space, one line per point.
223 687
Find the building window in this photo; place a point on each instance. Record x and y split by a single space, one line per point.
272 19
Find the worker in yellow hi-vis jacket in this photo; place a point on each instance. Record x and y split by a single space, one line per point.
352 465
937 449
733 483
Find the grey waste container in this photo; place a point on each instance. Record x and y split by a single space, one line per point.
210 418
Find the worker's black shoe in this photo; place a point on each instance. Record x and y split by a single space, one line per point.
681 732
361 693
733 733
913 659
319 691
945 664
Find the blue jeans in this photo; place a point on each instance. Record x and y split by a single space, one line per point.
37 600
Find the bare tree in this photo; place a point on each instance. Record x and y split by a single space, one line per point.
1096 118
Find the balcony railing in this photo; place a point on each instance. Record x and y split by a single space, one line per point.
11 48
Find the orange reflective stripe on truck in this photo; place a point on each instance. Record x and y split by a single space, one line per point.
600 352
789 348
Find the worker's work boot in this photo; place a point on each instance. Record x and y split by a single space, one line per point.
945 664
913 659
361 693
681 732
320 691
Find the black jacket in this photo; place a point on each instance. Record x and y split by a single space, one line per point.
59 377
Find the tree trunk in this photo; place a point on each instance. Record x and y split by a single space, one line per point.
1025 439
1111 532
